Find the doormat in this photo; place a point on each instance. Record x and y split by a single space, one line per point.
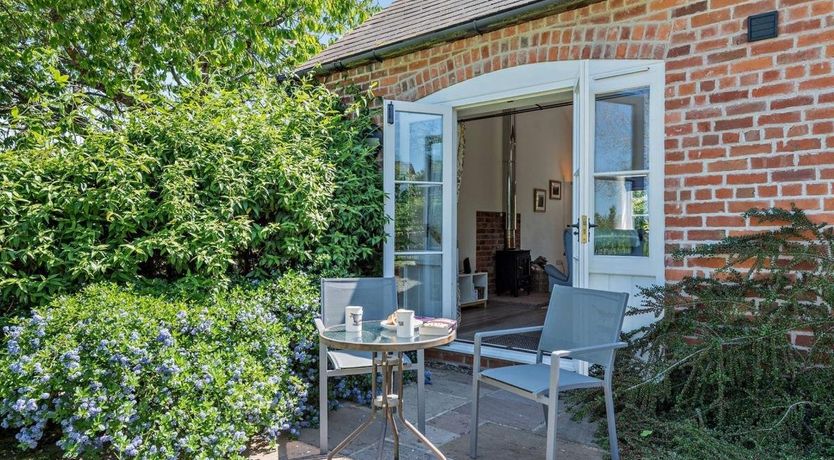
526 342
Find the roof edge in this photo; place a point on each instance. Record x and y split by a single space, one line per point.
476 26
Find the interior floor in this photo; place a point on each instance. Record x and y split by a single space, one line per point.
506 312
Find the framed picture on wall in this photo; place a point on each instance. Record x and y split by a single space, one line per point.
539 199
555 190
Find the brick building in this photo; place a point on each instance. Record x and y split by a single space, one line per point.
733 123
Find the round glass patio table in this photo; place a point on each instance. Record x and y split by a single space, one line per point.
386 356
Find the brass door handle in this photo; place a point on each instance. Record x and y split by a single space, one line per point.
583 230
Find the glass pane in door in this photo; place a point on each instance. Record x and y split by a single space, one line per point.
621 131
621 214
419 217
419 147
420 282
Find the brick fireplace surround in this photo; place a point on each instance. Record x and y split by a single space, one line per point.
489 237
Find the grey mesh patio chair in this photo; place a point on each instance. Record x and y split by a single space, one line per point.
581 323
378 298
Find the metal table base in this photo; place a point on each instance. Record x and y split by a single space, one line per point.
387 403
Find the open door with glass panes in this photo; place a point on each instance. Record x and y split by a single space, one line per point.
419 178
621 199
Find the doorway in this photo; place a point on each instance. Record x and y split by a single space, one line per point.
513 157
616 164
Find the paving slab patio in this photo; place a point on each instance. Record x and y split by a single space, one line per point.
511 427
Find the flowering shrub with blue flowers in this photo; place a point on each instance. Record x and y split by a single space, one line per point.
134 375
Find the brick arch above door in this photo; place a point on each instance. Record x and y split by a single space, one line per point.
606 30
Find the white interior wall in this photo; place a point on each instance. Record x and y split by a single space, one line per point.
543 143
480 183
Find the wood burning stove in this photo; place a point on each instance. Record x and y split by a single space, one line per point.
512 271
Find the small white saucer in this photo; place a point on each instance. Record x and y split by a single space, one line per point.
393 327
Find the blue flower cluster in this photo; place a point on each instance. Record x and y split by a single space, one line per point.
165 337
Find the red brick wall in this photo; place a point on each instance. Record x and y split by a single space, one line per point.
489 237
747 124
464 360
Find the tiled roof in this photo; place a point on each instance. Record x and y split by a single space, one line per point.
409 19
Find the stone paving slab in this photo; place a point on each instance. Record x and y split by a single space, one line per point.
521 413
511 427
407 452
342 422
437 402
501 442
452 422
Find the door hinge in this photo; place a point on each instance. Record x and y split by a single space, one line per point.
390 113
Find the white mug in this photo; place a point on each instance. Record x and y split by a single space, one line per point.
405 323
353 318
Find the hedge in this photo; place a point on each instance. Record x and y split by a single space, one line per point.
220 184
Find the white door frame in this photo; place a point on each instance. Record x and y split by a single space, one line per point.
580 163
584 78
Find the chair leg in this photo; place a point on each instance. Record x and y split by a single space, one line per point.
473 417
421 391
322 399
544 409
552 411
612 426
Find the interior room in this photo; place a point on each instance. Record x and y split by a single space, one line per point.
515 156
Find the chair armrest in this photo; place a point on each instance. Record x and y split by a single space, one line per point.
476 359
518 330
605 346
554 369
319 324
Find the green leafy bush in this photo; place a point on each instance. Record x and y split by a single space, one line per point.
121 49
142 376
217 185
717 374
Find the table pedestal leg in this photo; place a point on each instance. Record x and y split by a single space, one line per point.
382 437
364 426
385 401
387 363
408 424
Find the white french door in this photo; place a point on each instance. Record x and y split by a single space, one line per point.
419 172
617 187
620 174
